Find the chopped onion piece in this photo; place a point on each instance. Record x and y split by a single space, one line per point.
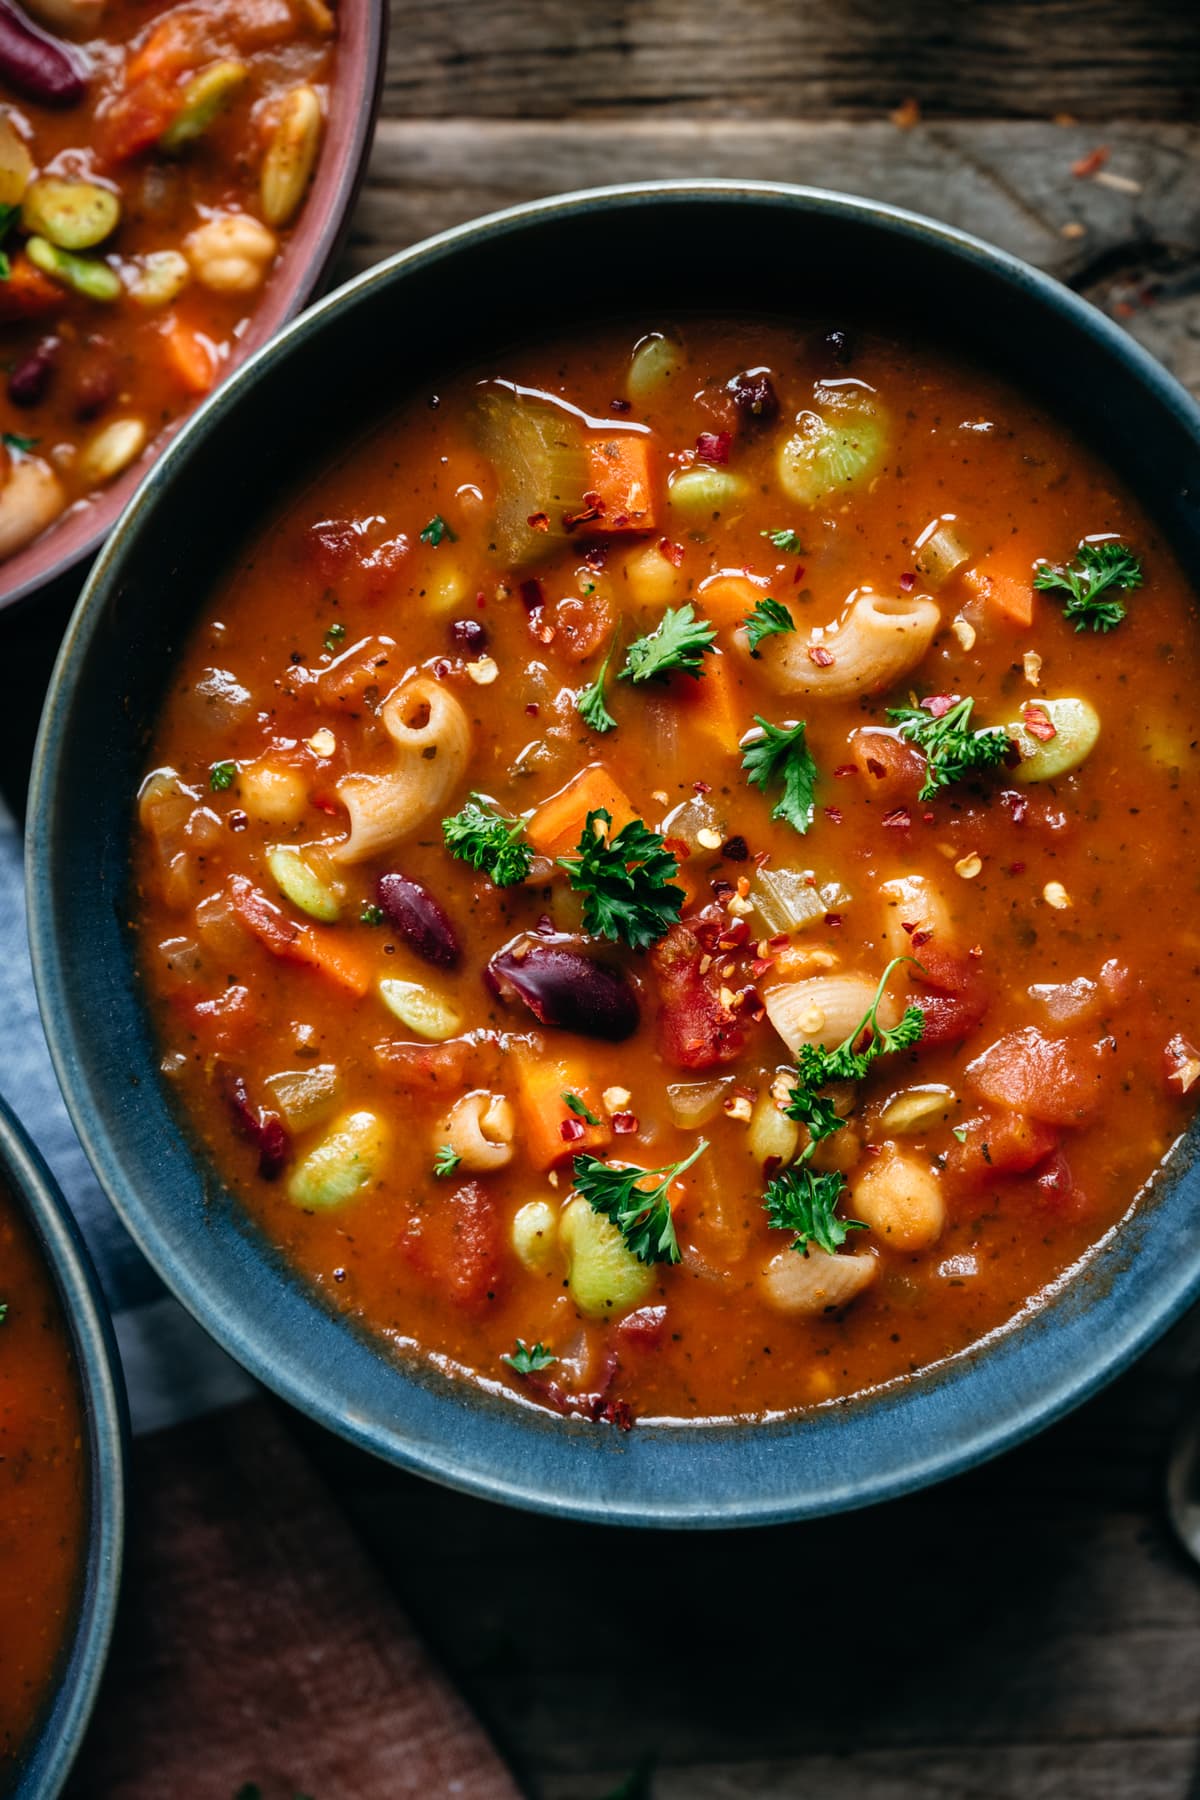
940 551
694 1103
789 899
305 1097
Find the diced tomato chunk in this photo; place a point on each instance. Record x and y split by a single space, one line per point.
1056 1189
695 1030
136 119
1181 1065
1059 1080
950 992
995 1145
222 1024
645 1328
891 769
455 1243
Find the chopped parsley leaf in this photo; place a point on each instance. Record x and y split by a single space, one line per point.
786 540
576 1105
371 914
589 702
953 751
678 643
20 446
481 836
625 881
221 776
445 1162
800 1200
1096 570
769 616
527 1359
642 1215
778 753
960 1132
334 636
436 530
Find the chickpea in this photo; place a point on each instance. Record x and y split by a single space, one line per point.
231 253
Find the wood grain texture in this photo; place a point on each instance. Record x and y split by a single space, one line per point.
258 1645
1099 59
1006 181
1028 1632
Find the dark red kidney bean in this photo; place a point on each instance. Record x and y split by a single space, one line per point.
35 64
753 393
419 919
469 633
30 378
566 988
265 1130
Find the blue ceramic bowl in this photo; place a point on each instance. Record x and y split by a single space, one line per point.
323 381
46 1760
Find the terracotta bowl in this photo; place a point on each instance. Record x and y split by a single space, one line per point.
304 267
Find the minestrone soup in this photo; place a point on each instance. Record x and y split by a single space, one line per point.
666 879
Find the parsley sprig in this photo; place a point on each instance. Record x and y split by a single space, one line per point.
527 1359
483 837
678 643
642 1215
779 754
786 540
445 1161
768 618
437 529
800 1200
589 702
1095 571
952 750
625 880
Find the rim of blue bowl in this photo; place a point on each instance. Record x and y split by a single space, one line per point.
45 1762
1104 1313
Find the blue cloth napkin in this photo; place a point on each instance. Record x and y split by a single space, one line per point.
172 1369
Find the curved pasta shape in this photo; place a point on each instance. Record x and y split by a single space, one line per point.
915 901
817 1282
824 1009
432 738
479 1130
876 641
900 1198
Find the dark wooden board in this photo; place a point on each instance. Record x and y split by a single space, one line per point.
1099 59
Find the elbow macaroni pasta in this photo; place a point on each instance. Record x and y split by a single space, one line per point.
479 1130
432 739
877 640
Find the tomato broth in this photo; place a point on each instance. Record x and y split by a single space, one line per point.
892 970
42 1485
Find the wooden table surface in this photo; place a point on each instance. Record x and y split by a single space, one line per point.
1029 1631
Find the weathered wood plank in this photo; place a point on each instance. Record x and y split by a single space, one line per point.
1100 59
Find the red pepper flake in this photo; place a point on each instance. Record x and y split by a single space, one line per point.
938 705
823 658
531 594
623 1123
908 926
538 521
873 1149
778 941
1091 163
735 849
908 581
677 848
798 576
899 819
833 920
761 858
571 1130
702 787
238 820
751 1003
1016 868
596 555
735 935
919 938
834 814
928 817
760 966
593 507
532 709
1037 722
713 446
672 552
442 668
1017 804
844 769
876 768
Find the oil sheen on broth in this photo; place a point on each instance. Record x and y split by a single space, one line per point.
600 587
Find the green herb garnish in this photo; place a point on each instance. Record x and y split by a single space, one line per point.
952 750
334 636
625 881
769 616
786 540
960 1132
778 753
575 1104
3 1311
436 530
641 1215
589 703
371 914
8 217
527 1359
800 1200
221 776
481 836
1094 571
20 446
445 1161
678 643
